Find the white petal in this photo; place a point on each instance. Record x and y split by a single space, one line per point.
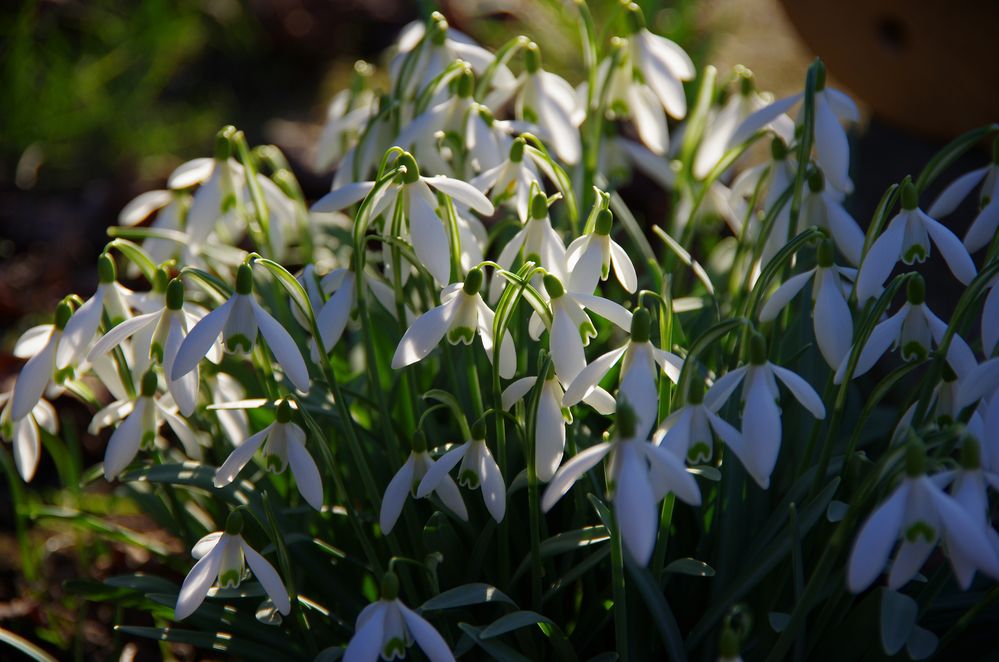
310 485
990 321
980 382
239 458
549 436
31 382
187 437
670 363
45 415
508 353
193 172
395 495
124 442
198 581
493 487
426 636
876 538
585 265
725 431
282 347
425 334
880 260
650 120
846 233
563 133
783 295
959 354
429 239
27 448
449 494
965 534
831 145
32 341
833 322
881 338
669 474
366 644
185 389
670 54
516 391
601 401
723 387
462 192
342 197
201 339
590 376
910 558
606 308
638 388
983 229
566 346
80 330
761 428
763 117
635 504
956 192
439 469
801 390
843 107
663 66
206 544
570 472
142 206
268 578
953 251
121 332
623 267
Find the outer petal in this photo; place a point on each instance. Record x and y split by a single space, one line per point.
199 580
966 534
910 558
570 472
185 389
670 475
333 316
124 442
660 76
462 192
426 636
650 120
831 145
342 197
881 338
187 437
761 428
32 341
635 504
956 191
783 295
439 469
268 578
206 544
623 267
493 487
801 390
450 496
833 322
516 391
193 172
395 495
723 387
876 538
429 239
142 206
880 260
990 321
845 231
239 458
590 376
983 228
30 385
953 251
310 485
424 335
200 340
763 117
566 346
27 448
366 644
282 347
79 330
638 387
508 353
606 308
549 439
980 382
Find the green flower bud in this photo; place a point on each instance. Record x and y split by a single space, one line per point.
149 384
626 420
234 523
910 197
825 254
175 294
390 586
473 281
553 285
283 414
106 271
517 150
244 279
539 205
641 325
757 349
412 174
915 459
223 143
438 30
602 226
63 312
532 58
915 291
479 430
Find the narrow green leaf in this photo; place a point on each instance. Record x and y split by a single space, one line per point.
513 621
692 567
467 594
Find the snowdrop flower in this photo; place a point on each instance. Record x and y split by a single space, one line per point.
639 475
170 208
907 238
340 286
25 433
513 179
663 64
426 229
142 420
588 259
832 148
572 328
919 513
478 469
285 444
537 240
168 326
761 424
221 554
640 364
687 432
348 113
461 316
984 227
824 208
385 629
914 328
833 322
82 327
779 174
990 319
220 182
38 373
547 101
238 320
406 481
969 490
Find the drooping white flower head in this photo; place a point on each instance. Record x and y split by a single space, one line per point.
831 315
221 555
823 208
341 287
285 445
386 628
238 320
82 327
990 319
662 63
406 481
589 258
349 111
980 383
537 240
920 513
983 228
143 417
461 316
687 432
773 179
546 101
478 470
832 148
639 475
914 329
641 363
969 489
759 445
220 193
512 180
40 345
25 433
907 238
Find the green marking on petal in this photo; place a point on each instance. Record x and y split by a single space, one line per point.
699 452
229 579
148 440
915 253
239 342
274 463
394 647
461 334
469 479
914 351
920 530
156 352
587 331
